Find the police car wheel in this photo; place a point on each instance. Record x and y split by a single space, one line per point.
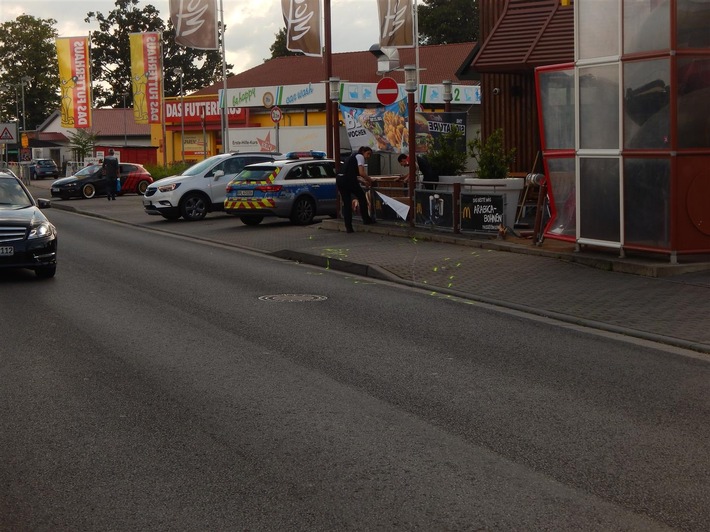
251 219
303 211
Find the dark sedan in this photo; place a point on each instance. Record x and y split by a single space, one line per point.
89 182
27 238
44 168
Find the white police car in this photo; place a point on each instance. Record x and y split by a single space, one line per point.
299 187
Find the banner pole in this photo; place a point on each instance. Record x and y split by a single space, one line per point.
225 124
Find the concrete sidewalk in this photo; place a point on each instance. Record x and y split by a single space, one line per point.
645 297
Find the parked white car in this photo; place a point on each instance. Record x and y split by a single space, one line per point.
201 188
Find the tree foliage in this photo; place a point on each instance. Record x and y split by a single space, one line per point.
447 21
278 49
82 142
27 50
111 55
447 153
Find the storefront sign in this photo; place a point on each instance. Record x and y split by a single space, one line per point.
195 110
282 95
428 94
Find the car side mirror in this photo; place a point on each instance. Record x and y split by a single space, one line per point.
218 174
44 203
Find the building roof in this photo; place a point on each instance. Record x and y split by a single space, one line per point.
529 34
437 62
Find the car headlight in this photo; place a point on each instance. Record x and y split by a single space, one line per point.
42 230
169 188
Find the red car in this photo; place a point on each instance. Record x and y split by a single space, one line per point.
89 182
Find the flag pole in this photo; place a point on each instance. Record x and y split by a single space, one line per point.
225 122
162 107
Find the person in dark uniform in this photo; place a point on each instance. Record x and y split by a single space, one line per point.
111 174
348 184
428 175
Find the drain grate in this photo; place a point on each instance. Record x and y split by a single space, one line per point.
292 298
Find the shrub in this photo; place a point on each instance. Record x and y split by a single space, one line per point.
493 161
447 153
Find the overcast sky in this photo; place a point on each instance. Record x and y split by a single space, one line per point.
251 24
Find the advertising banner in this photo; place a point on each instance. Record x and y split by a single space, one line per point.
386 129
283 139
146 77
195 23
74 81
281 95
434 209
302 19
396 23
482 213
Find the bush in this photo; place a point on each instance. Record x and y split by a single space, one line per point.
160 171
493 161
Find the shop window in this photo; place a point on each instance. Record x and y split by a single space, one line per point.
647 104
647 26
599 206
598 36
693 23
647 202
561 181
557 98
693 98
599 107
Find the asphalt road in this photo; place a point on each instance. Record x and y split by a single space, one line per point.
150 385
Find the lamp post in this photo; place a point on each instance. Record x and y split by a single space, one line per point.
448 95
410 85
125 126
179 72
23 81
334 84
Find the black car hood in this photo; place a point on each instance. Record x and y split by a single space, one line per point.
21 216
66 180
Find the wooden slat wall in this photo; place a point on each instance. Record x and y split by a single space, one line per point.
514 109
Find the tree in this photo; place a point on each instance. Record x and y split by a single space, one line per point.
278 49
447 21
82 143
111 55
447 153
27 50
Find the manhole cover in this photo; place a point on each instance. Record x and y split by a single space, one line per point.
292 298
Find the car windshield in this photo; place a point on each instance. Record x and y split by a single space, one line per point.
255 173
88 170
45 162
202 166
12 194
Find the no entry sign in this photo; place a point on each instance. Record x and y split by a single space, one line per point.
387 91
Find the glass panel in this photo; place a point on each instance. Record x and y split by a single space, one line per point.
598 28
557 97
599 206
647 25
599 107
647 184
563 203
693 98
646 104
693 23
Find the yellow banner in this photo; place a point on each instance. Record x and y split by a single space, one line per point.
147 77
74 81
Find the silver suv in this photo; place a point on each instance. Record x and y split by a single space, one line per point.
201 188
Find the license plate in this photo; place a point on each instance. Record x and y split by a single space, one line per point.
245 193
147 203
55 189
6 251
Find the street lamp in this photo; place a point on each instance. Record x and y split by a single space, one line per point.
448 95
410 85
125 127
23 81
178 71
334 84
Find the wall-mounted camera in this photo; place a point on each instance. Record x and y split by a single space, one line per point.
496 91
